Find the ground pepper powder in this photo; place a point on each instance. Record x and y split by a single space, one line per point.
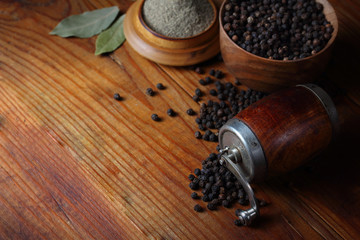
178 18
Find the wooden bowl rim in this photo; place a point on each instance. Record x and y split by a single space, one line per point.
329 43
211 25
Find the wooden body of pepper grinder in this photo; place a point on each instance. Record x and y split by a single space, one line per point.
277 134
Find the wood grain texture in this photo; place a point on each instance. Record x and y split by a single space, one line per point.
270 75
76 164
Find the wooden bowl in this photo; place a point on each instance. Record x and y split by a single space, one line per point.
167 50
268 75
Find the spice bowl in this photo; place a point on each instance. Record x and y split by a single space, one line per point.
268 75
167 50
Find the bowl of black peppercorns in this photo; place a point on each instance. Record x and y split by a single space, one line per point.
272 44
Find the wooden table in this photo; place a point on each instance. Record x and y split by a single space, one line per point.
76 164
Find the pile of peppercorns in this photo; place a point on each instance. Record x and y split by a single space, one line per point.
218 185
214 114
277 29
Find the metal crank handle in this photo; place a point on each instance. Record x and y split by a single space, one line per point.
246 216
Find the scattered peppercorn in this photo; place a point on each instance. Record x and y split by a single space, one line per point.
194 195
198 134
160 86
212 72
191 177
197 171
117 97
190 112
213 138
150 92
155 117
196 98
211 206
226 203
219 74
237 82
208 80
198 208
202 82
198 92
280 30
238 222
213 92
171 112
194 186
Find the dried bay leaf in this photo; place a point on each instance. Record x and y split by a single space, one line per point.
86 24
112 38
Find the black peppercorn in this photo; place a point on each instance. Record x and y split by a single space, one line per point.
280 30
205 137
208 80
213 92
171 112
216 202
213 138
150 92
219 74
160 86
211 206
194 186
190 112
226 203
117 97
198 92
202 82
198 134
191 177
196 98
155 117
194 195
238 223
197 171
205 191
198 208
206 198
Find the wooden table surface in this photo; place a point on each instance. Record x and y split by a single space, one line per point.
76 164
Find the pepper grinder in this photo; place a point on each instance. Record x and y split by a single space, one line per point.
275 135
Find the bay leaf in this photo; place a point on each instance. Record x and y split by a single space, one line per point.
86 24
111 38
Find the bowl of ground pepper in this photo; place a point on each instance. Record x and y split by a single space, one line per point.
268 45
173 32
